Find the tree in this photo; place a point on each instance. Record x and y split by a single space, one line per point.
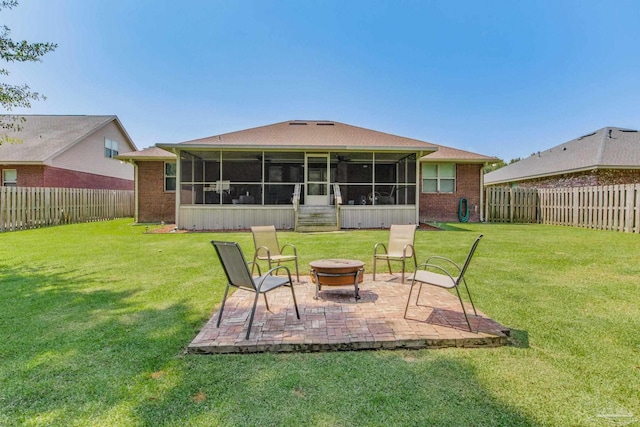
499 164
12 96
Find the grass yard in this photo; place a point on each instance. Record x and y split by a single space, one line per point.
94 319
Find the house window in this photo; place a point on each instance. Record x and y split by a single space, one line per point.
111 148
170 176
9 177
439 178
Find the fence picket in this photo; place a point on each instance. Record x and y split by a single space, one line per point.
33 207
613 207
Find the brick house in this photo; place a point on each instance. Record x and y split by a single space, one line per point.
607 156
286 173
67 152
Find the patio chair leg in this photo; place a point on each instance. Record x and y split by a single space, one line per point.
374 267
295 304
297 273
224 299
470 299
266 303
253 312
406 308
464 310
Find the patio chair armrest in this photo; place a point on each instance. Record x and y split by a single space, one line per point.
404 250
262 248
441 258
292 246
250 263
375 248
426 266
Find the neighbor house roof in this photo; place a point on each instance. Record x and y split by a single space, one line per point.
45 136
606 148
151 153
307 134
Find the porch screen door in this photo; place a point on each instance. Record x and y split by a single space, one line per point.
317 179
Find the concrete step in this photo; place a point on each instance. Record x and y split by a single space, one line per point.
316 228
317 218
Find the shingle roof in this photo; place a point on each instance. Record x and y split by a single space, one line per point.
301 134
448 154
606 148
151 153
44 136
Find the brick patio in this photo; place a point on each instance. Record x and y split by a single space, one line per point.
336 321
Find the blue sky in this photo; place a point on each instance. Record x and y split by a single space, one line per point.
501 78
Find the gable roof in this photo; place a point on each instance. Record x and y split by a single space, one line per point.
606 148
151 153
307 134
44 136
448 154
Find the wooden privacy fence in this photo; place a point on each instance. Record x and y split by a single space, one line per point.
512 204
611 207
22 208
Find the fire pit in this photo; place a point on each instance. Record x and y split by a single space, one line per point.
337 272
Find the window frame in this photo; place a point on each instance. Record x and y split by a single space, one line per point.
109 151
11 183
168 176
439 178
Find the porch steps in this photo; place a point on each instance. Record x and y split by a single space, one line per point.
317 218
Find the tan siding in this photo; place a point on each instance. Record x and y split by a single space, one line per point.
88 155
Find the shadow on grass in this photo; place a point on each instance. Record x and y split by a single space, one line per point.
341 389
519 339
74 349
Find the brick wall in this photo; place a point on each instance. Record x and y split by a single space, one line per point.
443 207
154 204
584 179
28 175
47 176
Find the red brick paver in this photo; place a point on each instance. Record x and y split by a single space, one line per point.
336 321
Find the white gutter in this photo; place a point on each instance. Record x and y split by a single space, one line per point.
481 195
178 185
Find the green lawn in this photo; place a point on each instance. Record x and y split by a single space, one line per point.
94 320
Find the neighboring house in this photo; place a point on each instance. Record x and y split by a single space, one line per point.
305 175
67 152
607 156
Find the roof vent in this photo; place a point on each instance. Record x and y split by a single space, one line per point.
587 135
297 124
324 124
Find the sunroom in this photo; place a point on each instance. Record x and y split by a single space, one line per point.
298 175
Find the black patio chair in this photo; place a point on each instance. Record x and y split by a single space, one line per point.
238 275
433 273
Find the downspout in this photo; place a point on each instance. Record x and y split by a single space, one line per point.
418 166
482 193
136 200
135 189
178 186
